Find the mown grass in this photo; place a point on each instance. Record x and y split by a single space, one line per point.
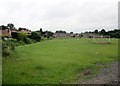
56 61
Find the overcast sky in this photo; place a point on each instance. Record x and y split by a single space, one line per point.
69 15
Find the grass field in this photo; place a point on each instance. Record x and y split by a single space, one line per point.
0 70
56 61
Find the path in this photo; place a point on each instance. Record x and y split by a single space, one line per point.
106 76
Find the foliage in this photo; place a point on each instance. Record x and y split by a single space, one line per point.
27 40
7 47
60 31
71 32
2 27
96 31
10 26
3 38
20 29
21 42
49 34
102 32
41 32
35 36
14 35
21 37
112 33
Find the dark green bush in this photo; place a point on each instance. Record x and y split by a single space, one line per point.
35 36
27 40
19 36
6 51
3 38
21 42
7 47
14 35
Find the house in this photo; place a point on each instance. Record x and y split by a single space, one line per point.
66 35
6 32
75 35
24 30
61 35
90 35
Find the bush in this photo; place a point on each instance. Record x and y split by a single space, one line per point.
21 42
6 52
29 36
7 47
3 38
14 35
35 36
22 38
19 36
27 40
8 43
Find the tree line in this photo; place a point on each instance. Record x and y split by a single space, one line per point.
112 33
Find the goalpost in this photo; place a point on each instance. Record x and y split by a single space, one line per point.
101 39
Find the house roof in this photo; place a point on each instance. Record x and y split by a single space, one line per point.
6 31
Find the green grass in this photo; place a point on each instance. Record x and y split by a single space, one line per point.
0 62
56 61
0 70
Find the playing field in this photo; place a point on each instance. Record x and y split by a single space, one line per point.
56 61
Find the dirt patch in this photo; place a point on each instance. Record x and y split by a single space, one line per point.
105 76
85 72
102 42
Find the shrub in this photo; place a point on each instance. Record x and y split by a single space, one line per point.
14 35
19 36
22 38
21 42
8 43
14 40
7 47
6 51
3 38
35 36
29 36
27 40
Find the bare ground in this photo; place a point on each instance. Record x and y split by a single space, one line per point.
105 76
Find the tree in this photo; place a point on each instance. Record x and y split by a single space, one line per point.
114 33
2 27
19 36
102 32
96 31
49 34
20 29
41 32
10 26
71 32
60 31
35 36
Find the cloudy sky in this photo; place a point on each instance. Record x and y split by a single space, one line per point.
69 15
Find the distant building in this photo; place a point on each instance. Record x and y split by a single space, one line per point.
90 35
61 35
6 32
65 35
27 31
